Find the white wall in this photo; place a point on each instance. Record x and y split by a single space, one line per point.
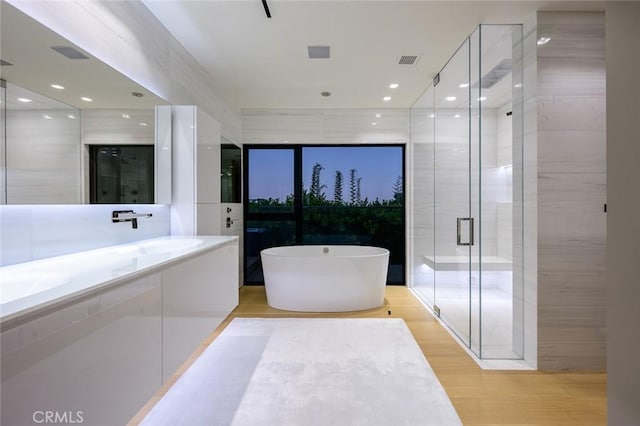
196 173
623 226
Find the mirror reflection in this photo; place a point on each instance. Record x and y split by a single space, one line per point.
73 130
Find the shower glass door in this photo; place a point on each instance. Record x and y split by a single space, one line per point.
466 139
453 222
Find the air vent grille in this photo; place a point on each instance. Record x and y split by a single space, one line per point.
5 63
408 59
69 52
319 52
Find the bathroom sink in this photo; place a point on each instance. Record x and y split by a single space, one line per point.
168 245
19 285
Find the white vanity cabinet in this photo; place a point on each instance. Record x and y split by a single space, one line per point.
97 358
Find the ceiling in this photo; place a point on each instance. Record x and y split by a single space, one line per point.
263 63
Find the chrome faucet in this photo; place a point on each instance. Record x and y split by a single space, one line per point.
128 216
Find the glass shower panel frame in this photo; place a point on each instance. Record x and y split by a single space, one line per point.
452 216
476 132
3 142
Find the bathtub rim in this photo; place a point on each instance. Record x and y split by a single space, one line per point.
272 251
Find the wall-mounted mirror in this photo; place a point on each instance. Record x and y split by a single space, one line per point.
61 111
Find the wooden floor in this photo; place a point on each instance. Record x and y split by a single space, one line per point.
481 397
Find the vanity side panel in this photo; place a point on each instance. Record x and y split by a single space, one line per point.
197 295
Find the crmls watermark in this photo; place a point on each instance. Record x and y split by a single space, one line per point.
58 417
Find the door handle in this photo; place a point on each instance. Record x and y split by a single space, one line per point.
470 240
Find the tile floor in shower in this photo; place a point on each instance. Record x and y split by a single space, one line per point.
496 317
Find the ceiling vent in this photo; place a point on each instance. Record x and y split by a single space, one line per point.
319 52
495 75
69 52
5 63
407 59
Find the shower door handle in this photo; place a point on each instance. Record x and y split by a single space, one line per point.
469 241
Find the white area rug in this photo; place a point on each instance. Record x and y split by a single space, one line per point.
306 372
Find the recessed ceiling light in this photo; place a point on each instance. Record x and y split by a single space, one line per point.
463 85
25 100
48 117
386 98
374 124
57 86
517 85
393 86
126 116
143 124
71 116
450 98
482 98
432 115
457 116
286 141
378 115
543 40
325 94
84 98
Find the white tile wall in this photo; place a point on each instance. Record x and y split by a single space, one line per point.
325 126
30 232
43 157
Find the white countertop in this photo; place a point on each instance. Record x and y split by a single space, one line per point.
31 286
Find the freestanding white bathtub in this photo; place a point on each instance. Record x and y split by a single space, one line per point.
325 278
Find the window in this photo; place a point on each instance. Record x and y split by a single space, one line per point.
121 174
324 195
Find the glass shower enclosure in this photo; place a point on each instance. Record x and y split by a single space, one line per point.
466 142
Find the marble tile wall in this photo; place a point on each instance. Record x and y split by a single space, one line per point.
571 169
43 157
109 127
324 126
31 232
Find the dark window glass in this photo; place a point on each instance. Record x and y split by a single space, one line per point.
231 174
121 174
261 234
